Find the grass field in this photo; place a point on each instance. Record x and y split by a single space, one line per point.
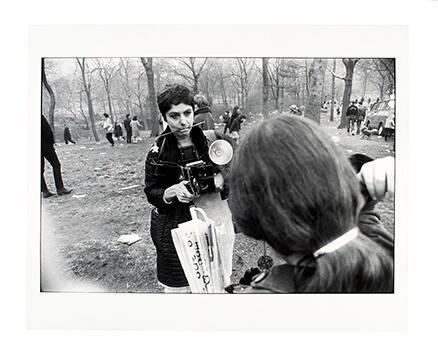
80 231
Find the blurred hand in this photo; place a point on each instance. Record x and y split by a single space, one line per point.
180 192
219 181
378 177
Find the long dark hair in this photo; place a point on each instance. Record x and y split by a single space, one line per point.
294 188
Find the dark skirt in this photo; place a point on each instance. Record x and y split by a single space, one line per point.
169 269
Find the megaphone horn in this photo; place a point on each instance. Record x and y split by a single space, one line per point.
220 152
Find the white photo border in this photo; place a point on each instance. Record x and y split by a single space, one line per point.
315 312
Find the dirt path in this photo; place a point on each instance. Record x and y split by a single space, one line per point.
84 231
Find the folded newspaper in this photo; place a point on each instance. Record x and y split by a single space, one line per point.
205 251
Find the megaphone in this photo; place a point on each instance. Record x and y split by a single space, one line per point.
220 152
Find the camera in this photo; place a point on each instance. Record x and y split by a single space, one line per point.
200 177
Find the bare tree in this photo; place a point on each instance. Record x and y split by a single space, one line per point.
125 71
349 64
195 71
87 88
148 66
332 105
242 76
385 79
52 97
107 72
265 62
316 73
139 92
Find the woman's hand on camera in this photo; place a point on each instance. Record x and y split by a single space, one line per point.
178 191
378 177
219 182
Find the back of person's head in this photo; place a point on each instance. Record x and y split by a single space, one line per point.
201 101
292 187
106 115
174 95
134 118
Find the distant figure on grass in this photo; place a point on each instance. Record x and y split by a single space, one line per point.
118 132
352 114
108 126
236 126
361 113
203 113
48 152
135 128
389 128
67 135
234 115
127 125
226 119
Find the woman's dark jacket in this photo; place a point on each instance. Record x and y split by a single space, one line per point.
162 172
235 125
204 115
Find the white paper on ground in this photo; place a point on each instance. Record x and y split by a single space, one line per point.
129 239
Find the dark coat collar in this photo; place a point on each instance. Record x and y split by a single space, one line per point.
203 110
168 145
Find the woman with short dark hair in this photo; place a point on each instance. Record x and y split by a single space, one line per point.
165 187
292 187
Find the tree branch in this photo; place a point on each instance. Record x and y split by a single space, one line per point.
334 74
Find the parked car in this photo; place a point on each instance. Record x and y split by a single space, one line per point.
376 117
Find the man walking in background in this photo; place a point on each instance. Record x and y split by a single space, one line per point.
48 152
67 135
109 128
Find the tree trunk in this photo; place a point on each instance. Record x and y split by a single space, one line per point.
89 99
307 79
365 80
155 129
87 127
108 94
313 105
52 98
349 64
323 88
195 85
332 106
265 86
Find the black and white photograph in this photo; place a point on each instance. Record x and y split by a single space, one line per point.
218 175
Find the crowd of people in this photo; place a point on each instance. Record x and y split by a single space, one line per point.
115 130
290 186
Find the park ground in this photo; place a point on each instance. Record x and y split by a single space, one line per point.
80 231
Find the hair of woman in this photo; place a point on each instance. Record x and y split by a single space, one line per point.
292 187
174 95
201 101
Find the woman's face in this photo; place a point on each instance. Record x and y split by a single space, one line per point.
180 119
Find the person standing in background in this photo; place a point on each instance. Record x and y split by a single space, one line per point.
127 125
48 152
135 129
67 135
203 113
118 132
226 119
